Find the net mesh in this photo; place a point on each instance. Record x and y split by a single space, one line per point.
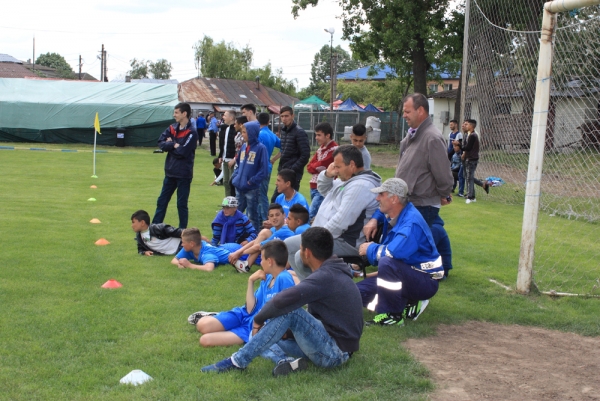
503 51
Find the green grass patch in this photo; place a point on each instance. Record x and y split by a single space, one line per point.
63 337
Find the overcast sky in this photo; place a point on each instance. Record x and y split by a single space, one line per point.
153 29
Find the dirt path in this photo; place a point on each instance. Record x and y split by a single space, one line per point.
483 361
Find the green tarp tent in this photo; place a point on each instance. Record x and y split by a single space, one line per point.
34 110
312 103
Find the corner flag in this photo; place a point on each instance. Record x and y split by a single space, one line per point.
97 124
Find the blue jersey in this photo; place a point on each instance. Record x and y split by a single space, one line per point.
301 229
297 198
283 233
208 254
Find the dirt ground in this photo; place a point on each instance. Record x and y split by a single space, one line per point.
484 361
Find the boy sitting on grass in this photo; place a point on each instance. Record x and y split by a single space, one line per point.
252 249
297 219
234 327
201 252
231 225
154 239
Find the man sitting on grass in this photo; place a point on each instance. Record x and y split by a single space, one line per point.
252 249
233 327
327 333
205 256
154 239
231 225
410 266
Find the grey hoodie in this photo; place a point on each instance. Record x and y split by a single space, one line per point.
331 296
348 205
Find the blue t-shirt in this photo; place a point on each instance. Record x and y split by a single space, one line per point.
264 294
297 198
270 140
283 233
301 229
208 254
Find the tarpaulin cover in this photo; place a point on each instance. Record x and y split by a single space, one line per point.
349 105
372 108
64 111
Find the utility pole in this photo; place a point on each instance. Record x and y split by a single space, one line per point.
33 59
80 67
334 78
105 67
102 64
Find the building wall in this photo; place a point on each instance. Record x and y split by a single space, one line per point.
439 107
570 114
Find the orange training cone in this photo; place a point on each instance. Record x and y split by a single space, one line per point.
93 187
102 242
112 283
95 221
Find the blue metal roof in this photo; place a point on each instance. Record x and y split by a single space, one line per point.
382 73
7 58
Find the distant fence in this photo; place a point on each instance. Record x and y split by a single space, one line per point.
393 127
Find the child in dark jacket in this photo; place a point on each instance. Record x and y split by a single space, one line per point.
154 239
455 166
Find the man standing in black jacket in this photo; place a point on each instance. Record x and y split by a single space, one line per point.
295 149
179 141
227 148
327 333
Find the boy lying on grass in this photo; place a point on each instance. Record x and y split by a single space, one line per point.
154 239
278 230
205 256
234 327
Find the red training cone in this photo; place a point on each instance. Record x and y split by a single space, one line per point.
112 283
101 242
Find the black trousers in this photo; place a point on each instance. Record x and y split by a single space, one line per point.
212 135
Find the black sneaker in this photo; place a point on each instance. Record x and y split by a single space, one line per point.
194 317
386 319
286 367
413 310
486 188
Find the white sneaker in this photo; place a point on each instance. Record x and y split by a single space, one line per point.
471 201
241 266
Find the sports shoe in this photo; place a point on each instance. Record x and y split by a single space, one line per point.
386 319
486 187
220 367
241 266
194 317
286 367
414 309
471 201
461 195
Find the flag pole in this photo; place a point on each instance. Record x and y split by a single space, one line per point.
94 169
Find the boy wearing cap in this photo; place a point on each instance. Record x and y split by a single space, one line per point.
410 266
231 225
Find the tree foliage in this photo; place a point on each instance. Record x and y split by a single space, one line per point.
161 69
225 60
58 62
408 35
320 67
144 68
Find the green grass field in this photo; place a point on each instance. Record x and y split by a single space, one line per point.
64 338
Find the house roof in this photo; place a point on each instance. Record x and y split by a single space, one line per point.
451 94
7 58
14 70
382 73
49 72
231 92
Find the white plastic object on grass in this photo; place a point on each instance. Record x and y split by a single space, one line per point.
135 377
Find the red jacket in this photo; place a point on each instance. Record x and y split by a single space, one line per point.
322 158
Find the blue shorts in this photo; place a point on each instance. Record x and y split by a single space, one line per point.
237 321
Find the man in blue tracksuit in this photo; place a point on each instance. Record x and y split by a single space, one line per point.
253 167
410 266
200 127
179 141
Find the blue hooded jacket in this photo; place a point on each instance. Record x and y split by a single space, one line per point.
252 161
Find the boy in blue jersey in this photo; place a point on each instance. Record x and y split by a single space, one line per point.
251 251
205 256
297 219
234 327
288 196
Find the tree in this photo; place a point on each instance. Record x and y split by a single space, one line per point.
58 62
224 60
320 67
139 69
161 69
408 35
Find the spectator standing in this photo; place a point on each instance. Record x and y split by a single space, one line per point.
179 141
295 149
358 137
200 127
227 151
213 128
455 135
271 141
322 158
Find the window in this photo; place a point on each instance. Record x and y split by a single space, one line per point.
447 87
502 108
433 88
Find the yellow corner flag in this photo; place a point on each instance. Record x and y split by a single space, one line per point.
97 124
